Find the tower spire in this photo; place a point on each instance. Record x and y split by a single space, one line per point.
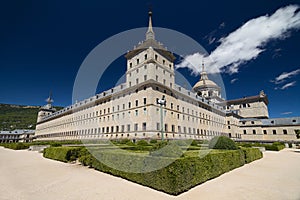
203 73
49 100
150 33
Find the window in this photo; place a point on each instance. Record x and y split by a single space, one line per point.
171 85
145 77
136 112
144 125
265 132
156 57
156 78
164 61
136 102
145 66
135 127
157 126
137 70
128 127
164 81
137 61
170 66
179 129
129 104
254 132
145 56
274 132
171 105
173 128
130 64
252 122
228 127
166 127
145 111
137 81
245 132
122 128
145 101
284 131
129 84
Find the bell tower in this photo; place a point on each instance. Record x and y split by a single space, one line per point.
150 60
47 109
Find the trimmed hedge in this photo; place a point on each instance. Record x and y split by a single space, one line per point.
252 154
179 176
276 146
64 154
16 146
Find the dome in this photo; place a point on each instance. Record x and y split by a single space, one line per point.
205 84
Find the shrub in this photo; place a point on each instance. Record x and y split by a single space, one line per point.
55 144
130 143
159 145
252 154
64 154
179 176
153 141
274 147
222 142
194 143
169 150
142 143
16 146
124 141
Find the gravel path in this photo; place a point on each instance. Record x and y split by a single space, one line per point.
27 175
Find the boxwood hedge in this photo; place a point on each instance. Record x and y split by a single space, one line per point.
64 154
181 175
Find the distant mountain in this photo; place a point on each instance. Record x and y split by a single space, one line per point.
18 116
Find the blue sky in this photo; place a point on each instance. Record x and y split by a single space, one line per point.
43 44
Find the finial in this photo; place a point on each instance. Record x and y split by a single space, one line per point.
150 32
202 65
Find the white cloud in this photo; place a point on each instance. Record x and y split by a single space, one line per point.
288 85
245 43
285 75
234 80
286 113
